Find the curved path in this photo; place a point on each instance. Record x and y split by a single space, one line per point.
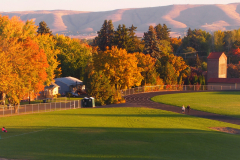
144 100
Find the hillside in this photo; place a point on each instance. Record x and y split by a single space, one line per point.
177 17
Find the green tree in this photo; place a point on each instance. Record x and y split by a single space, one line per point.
99 87
218 41
169 75
151 43
105 36
74 56
43 28
163 32
198 62
133 42
121 37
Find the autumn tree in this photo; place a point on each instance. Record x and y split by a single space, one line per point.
148 66
47 43
43 28
233 71
175 43
25 64
119 66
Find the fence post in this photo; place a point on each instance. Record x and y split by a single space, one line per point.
45 107
194 87
32 108
38 107
11 111
74 104
3 110
70 104
50 106
221 87
25 109
60 106
55 106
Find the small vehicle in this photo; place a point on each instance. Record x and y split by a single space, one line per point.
74 94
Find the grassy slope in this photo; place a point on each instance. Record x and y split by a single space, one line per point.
225 103
116 133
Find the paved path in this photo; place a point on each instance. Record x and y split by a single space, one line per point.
143 100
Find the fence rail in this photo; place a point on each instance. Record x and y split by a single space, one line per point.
39 108
145 89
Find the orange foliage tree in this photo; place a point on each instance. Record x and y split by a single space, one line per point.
23 63
148 69
235 56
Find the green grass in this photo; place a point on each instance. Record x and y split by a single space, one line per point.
225 102
116 133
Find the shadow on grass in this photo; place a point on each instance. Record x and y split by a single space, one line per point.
118 143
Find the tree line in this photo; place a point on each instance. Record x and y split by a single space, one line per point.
116 59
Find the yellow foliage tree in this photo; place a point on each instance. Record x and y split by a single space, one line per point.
119 66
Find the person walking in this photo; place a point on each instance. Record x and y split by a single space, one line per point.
183 109
188 108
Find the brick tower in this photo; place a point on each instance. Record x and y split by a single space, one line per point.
216 65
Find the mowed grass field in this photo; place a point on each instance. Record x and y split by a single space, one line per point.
224 102
116 133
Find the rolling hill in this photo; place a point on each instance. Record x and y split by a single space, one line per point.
177 17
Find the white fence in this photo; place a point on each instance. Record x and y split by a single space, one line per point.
38 108
145 89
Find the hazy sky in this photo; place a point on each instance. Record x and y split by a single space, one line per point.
95 5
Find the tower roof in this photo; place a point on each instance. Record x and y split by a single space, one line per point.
215 55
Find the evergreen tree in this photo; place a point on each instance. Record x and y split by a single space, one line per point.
110 33
198 62
121 37
105 36
158 29
133 42
151 43
163 32
43 28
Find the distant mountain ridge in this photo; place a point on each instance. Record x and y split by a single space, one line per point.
177 17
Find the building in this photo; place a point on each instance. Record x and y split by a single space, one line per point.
52 89
69 84
217 72
217 65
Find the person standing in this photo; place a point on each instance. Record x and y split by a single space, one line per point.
188 108
183 109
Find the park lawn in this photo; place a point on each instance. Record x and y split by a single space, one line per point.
116 133
224 102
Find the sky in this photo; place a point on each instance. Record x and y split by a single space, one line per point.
95 5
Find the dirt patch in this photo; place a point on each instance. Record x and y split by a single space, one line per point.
226 130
